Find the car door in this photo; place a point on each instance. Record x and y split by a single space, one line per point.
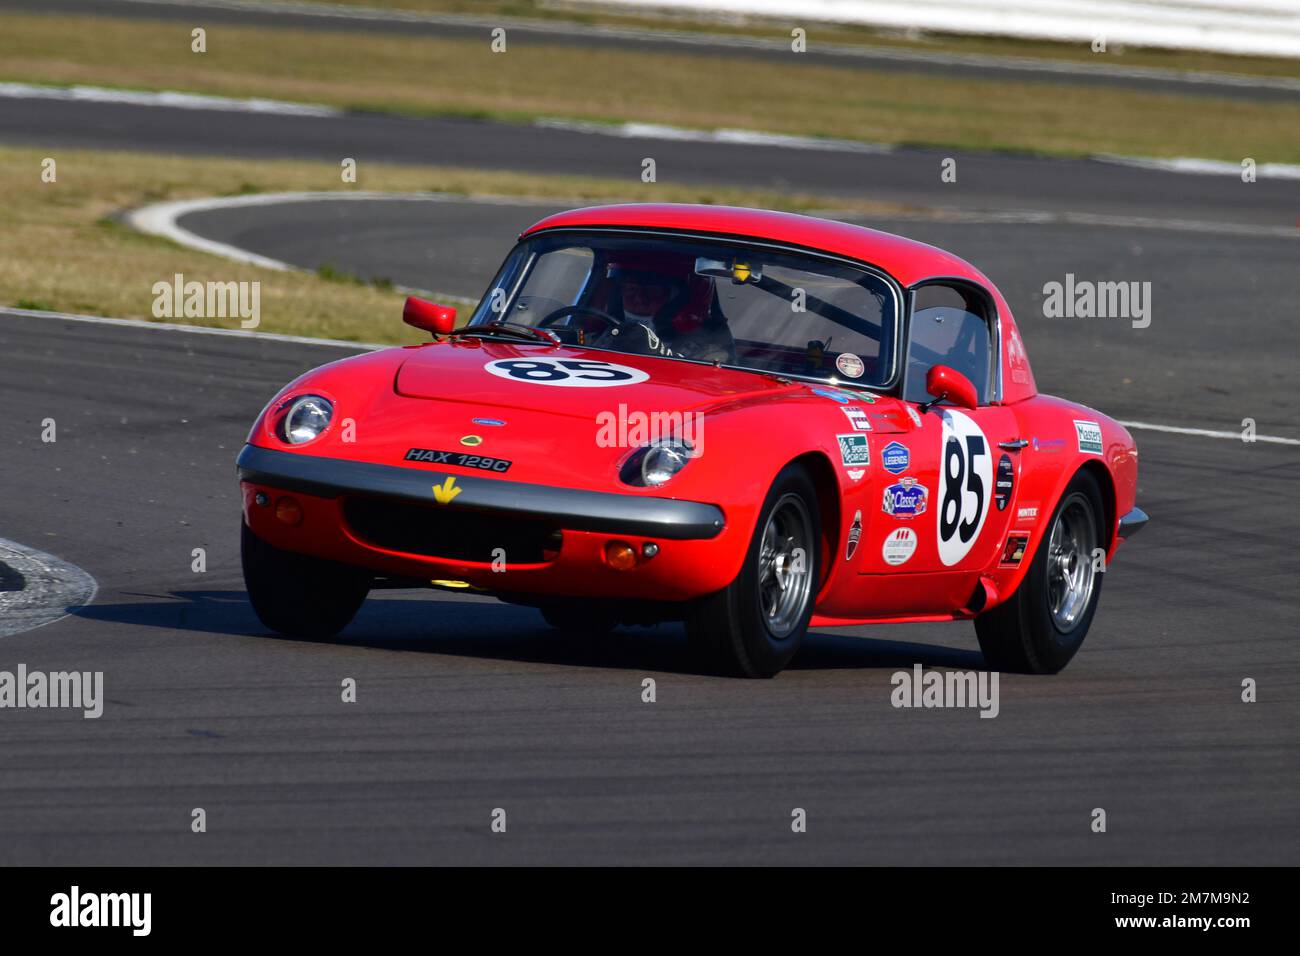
949 482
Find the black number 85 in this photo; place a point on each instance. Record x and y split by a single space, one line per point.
959 470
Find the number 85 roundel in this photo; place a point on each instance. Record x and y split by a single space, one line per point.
965 480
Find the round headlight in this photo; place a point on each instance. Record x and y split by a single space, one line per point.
662 461
307 418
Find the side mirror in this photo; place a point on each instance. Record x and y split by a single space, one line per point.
947 383
429 316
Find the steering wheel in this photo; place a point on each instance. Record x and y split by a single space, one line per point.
609 320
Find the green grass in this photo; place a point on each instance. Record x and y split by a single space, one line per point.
432 76
64 247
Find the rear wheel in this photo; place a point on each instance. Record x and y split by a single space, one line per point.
754 626
299 595
1041 626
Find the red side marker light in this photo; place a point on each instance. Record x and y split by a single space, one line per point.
289 511
620 555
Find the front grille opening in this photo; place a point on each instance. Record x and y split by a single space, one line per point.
460 535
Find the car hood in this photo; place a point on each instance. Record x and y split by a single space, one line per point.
458 372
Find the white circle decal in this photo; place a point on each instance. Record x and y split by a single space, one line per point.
568 373
899 545
965 485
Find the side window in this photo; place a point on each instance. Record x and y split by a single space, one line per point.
950 325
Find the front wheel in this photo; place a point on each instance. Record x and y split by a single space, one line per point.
754 626
1040 627
299 595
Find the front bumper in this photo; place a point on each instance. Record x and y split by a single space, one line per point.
338 500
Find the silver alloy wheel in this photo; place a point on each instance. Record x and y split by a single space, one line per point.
1071 576
785 565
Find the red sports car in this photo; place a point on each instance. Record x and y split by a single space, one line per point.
752 422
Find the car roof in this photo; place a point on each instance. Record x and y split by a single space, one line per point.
906 260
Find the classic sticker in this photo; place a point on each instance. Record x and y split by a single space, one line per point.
854 449
905 499
850 365
965 485
855 535
1089 435
1006 481
568 373
431 456
895 458
857 418
900 544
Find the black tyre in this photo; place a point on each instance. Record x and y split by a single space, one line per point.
754 626
579 620
1041 626
298 595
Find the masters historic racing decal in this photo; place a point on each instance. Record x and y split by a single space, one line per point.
905 499
965 480
431 456
1089 435
569 373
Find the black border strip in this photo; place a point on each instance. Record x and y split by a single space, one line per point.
577 510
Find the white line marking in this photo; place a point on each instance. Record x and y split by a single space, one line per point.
371 347
160 219
167 98
1251 27
655 131
1185 165
1036 217
53 587
1207 433
1203 167
194 329
739 137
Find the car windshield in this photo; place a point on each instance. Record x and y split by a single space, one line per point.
749 306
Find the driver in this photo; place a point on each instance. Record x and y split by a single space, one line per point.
649 311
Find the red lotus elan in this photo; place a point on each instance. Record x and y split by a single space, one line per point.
749 421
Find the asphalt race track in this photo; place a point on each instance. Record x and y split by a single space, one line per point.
466 705
908 176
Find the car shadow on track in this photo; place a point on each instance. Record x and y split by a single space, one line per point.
488 629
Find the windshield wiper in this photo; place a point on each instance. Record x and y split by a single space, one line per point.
512 329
